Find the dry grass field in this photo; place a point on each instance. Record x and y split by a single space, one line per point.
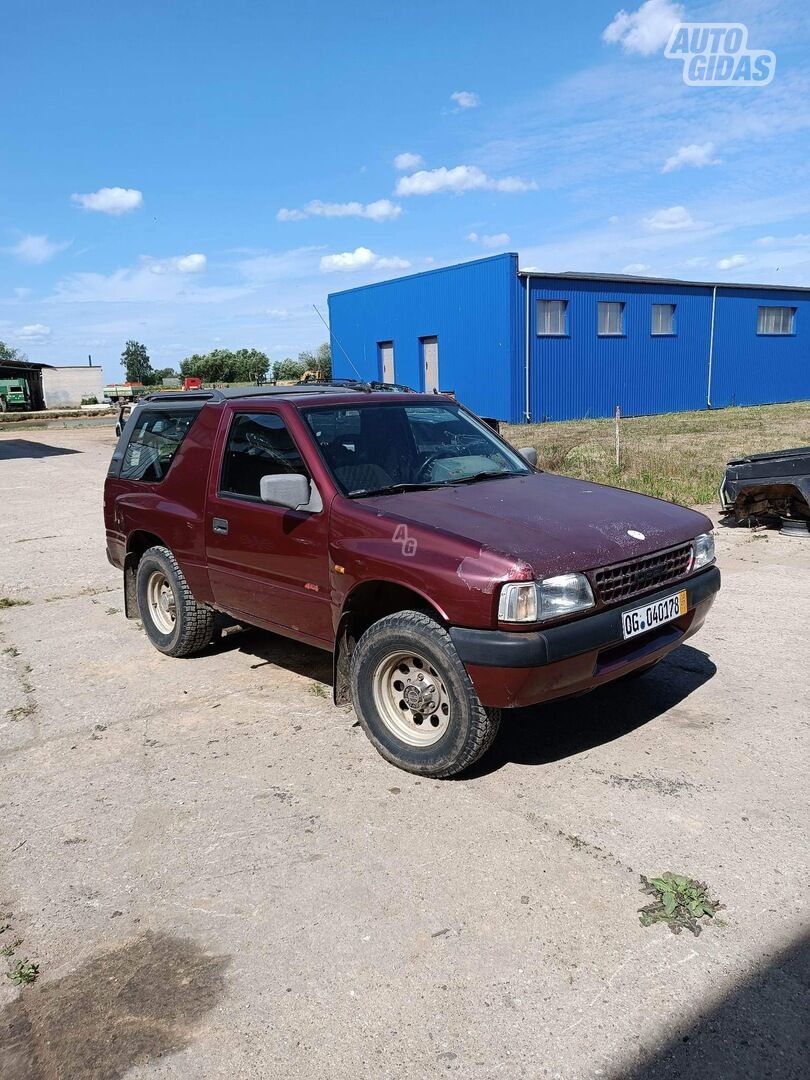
677 456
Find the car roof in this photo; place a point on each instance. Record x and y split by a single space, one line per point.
307 394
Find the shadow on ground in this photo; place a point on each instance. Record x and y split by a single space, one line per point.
128 1006
272 649
760 1030
541 734
15 449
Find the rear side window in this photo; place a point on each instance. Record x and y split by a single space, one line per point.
259 444
155 440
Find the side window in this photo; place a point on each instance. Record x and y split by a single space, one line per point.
258 445
155 440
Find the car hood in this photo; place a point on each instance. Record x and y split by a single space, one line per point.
553 523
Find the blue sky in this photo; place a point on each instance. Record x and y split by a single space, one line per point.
198 175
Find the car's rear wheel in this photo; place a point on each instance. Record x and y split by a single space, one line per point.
414 699
173 620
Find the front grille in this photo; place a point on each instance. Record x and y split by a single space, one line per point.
624 580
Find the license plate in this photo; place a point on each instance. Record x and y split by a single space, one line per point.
642 619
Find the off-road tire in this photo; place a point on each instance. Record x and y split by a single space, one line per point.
194 626
472 728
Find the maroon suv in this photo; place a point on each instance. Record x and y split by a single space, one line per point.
446 574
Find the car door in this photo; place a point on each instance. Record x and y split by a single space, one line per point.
267 564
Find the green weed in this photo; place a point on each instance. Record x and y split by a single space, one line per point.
679 902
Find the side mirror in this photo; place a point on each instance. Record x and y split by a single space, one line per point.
530 454
291 490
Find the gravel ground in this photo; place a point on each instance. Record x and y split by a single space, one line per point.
219 877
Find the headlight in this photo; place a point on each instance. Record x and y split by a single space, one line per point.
704 550
537 601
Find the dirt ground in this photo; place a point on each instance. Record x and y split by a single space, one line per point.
219 877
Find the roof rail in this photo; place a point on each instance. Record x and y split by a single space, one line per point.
183 395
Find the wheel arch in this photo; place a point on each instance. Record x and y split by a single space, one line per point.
367 602
138 542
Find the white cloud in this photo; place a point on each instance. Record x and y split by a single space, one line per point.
361 258
33 332
799 240
406 161
458 180
646 30
36 249
613 219
466 99
673 217
731 262
380 210
635 268
110 200
192 264
492 240
696 156
195 263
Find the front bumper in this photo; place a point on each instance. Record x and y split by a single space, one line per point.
511 668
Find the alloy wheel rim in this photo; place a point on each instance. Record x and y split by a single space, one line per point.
411 699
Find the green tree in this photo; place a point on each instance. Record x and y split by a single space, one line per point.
288 370
223 365
8 352
136 363
162 373
319 361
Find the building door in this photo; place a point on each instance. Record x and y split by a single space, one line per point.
385 351
430 364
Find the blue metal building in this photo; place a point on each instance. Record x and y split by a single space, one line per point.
521 345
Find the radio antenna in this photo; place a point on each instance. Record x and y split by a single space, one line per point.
332 336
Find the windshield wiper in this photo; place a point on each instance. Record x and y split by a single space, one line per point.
395 489
480 476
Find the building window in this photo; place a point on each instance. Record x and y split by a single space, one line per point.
775 320
663 319
611 319
551 318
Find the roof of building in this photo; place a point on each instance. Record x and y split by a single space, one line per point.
636 279
578 275
23 365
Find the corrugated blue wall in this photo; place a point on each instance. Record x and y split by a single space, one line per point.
753 369
586 375
470 308
478 312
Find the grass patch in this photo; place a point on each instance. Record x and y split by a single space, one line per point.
23 972
677 456
10 601
679 902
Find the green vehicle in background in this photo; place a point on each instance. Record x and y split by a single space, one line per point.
14 394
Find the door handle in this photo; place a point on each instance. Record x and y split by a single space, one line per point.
220 525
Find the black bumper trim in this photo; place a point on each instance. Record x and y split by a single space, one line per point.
536 648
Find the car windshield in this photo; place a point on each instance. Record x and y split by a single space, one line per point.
380 448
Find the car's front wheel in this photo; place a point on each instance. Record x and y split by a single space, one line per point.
173 620
415 700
